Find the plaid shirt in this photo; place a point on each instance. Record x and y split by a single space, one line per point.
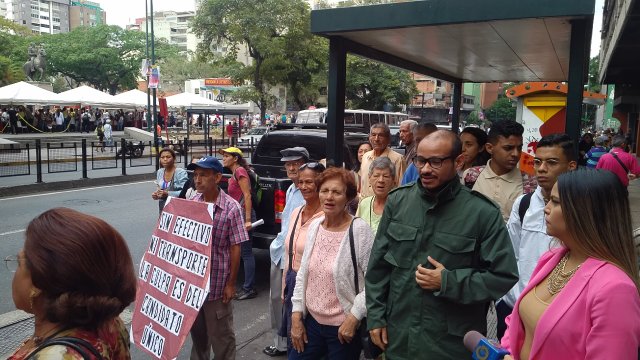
228 230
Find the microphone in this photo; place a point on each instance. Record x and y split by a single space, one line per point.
483 348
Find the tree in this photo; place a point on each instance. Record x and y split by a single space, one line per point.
12 37
176 70
371 85
258 25
107 57
502 109
594 75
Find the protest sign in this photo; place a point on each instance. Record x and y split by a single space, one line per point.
173 279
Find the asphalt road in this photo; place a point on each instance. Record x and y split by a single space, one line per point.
130 209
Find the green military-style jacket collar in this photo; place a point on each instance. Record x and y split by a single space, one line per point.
445 194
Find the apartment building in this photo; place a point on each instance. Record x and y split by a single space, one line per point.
41 16
173 26
86 13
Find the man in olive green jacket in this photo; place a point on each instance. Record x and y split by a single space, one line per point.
441 254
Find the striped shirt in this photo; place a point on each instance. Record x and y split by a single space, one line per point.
228 229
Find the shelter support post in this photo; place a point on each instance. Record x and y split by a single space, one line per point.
335 101
579 50
456 102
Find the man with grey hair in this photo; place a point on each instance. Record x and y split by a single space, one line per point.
382 179
620 162
380 138
407 128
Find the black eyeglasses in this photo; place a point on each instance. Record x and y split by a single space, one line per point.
434 162
316 166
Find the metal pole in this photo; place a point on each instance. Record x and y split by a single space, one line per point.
422 109
123 144
38 161
456 103
146 21
578 60
84 159
153 63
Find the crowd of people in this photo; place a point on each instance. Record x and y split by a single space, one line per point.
450 238
27 119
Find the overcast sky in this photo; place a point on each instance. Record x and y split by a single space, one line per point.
123 12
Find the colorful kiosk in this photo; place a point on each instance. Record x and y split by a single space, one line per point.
542 110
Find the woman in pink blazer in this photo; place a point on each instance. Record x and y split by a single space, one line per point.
582 301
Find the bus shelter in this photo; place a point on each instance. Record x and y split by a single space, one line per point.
461 41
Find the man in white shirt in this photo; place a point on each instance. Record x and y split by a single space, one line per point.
555 154
59 118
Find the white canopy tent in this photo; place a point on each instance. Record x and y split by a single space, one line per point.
23 93
135 96
88 96
188 100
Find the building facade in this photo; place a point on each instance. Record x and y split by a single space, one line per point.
41 16
173 26
86 13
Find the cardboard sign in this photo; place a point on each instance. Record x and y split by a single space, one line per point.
173 279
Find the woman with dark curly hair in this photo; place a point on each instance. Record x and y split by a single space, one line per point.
75 275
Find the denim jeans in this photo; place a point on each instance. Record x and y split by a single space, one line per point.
323 341
249 264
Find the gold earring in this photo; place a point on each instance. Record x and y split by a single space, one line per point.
32 295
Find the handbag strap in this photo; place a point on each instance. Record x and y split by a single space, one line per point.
353 255
626 169
293 232
77 344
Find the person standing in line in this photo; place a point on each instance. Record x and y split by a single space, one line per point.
407 127
292 158
595 153
381 177
501 180
620 162
328 300
240 190
302 217
582 301
213 327
555 155
441 255
379 138
362 149
420 132
473 147
59 119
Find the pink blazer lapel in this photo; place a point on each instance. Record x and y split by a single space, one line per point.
563 301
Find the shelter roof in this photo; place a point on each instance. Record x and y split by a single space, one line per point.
462 40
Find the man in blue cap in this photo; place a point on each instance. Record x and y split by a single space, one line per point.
213 328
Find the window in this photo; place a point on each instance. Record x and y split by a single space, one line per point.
56 27
56 19
44 17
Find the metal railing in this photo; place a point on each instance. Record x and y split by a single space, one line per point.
15 161
62 158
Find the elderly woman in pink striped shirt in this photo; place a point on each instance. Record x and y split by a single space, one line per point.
327 308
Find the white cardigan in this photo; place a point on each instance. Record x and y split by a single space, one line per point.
342 269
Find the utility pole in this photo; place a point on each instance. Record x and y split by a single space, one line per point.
153 64
146 22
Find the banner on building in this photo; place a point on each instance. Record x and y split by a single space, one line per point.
173 278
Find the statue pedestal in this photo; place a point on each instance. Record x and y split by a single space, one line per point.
42 84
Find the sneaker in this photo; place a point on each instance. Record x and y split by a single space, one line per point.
246 294
273 351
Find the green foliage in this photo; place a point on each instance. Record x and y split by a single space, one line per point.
594 75
370 85
473 118
261 26
106 57
502 109
177 69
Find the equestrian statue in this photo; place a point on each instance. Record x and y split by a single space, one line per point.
37 63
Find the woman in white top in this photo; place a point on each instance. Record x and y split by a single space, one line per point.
327 308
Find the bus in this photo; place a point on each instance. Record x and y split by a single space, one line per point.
353 118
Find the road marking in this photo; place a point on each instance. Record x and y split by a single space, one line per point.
12 232
74 190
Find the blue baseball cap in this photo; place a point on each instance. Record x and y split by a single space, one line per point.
207 162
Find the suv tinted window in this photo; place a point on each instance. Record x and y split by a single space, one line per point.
268 150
